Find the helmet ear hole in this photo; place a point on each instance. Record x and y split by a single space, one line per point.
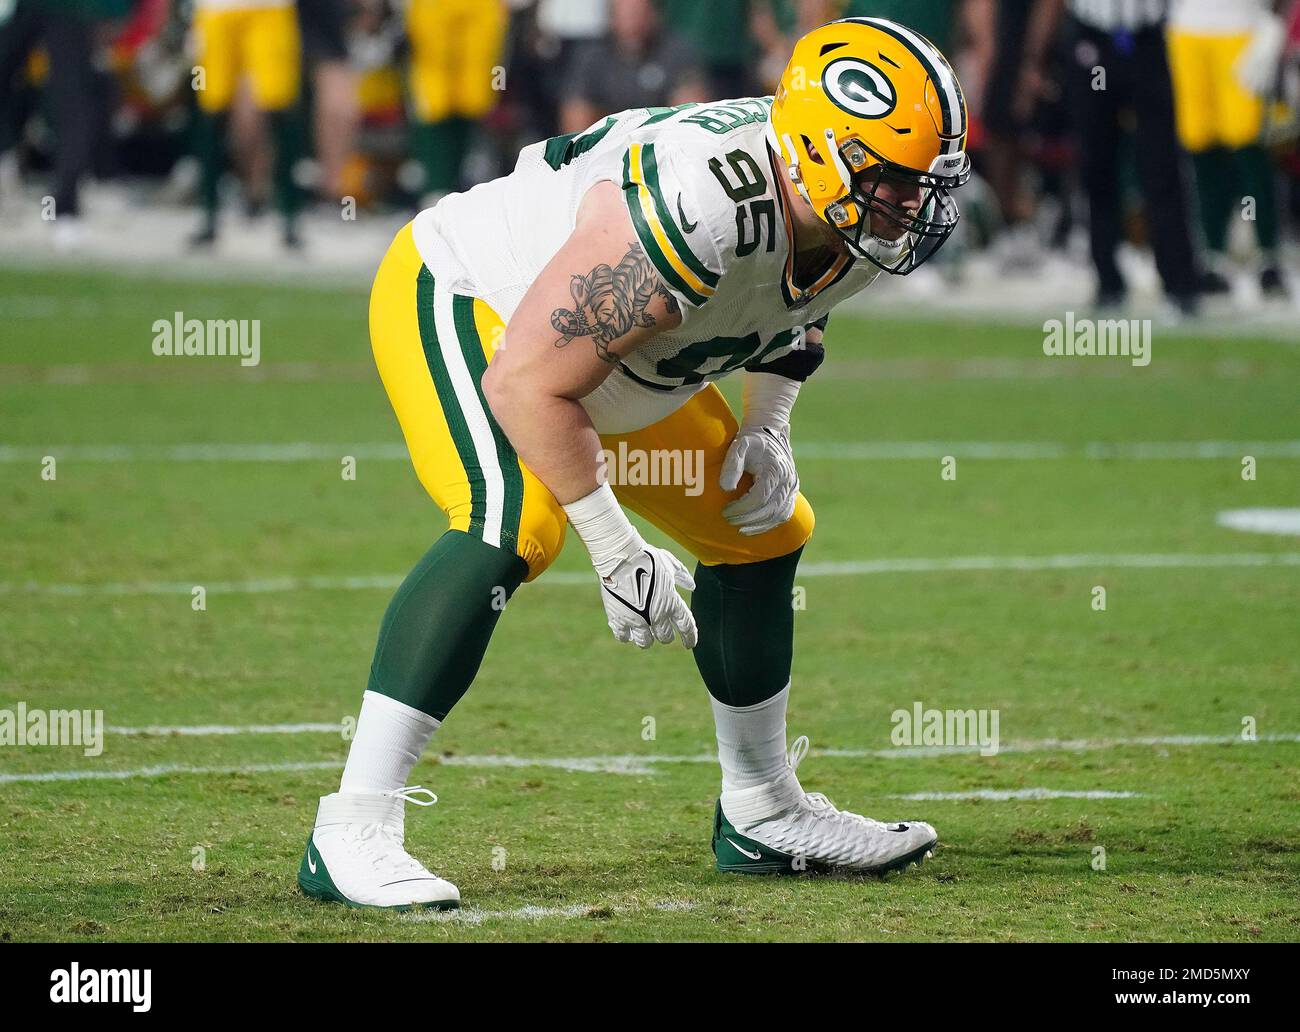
811 151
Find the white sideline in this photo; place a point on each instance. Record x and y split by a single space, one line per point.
395 451
852 568
643 765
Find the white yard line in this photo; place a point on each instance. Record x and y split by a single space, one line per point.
870 370
287 451
475 916
204 730
256 586
163 770
579 764
1055 745
1261 521
393 451
612 761
633 764
852 568
1004 795
953 564
1045 450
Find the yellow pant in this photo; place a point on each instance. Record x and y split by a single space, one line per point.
456 46
1213 108
261 42
431 347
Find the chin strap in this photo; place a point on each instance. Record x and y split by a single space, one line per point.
888 252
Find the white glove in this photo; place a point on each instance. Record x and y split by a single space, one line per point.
762 448
641 599
638 582
1257 67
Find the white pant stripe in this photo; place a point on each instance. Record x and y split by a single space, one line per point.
480 430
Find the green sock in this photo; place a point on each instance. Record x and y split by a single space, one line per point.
1255 169
209 148
745 617
438 625
286 131
441 147
1215 188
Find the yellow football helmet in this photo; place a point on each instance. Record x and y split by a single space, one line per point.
864 101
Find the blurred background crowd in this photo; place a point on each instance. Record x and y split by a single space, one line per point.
1168 125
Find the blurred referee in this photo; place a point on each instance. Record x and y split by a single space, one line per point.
1119 64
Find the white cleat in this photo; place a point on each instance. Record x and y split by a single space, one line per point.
778 828
355 854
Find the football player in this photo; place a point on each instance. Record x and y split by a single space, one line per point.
454 47
588 301
259 39
1225 60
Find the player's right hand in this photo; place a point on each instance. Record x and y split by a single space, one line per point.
642 601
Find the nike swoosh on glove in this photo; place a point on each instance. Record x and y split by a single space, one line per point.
764 452
641 599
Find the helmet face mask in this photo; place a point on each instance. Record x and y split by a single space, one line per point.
922 229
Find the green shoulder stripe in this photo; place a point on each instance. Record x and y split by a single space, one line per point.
650 167
631 195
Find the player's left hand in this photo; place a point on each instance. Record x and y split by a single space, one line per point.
764 452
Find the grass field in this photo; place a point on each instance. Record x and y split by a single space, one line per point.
557 819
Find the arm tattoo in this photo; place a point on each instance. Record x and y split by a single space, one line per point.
607 303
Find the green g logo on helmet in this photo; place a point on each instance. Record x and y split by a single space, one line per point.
859 87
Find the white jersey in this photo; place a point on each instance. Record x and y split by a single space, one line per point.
700 182
1217 17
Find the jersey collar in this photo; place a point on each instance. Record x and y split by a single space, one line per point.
798 295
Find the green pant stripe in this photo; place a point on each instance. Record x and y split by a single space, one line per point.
451 409
511 475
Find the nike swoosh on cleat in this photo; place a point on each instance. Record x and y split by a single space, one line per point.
687 226
311 864
756 855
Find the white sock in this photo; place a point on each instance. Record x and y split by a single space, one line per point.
390 738
751 741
